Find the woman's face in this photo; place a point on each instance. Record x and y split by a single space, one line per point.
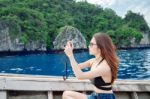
93 48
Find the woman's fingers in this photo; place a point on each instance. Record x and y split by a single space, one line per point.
69 49
70 44
66 46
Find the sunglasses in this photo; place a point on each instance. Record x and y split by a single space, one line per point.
92 44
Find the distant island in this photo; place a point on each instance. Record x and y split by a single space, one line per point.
33 25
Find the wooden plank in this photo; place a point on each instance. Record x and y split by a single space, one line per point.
44 83
43 86
134 95
3 95
50 95
2 83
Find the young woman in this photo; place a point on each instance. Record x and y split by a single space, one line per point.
103 70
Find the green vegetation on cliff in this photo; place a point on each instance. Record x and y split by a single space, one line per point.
41 20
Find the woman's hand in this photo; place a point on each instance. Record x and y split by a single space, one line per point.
69 49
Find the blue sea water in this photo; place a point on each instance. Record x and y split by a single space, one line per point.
134 64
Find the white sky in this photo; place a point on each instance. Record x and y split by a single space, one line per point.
122 6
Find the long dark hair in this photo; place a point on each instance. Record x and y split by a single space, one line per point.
108 52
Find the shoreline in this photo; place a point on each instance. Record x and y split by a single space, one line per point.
60 51
25 52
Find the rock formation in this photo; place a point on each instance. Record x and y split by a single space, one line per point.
70 33
7 43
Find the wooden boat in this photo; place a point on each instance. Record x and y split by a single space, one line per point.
18 86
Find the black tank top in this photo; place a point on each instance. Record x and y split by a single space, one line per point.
100 83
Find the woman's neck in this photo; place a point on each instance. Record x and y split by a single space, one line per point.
98 58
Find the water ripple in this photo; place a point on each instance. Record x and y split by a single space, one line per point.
134 64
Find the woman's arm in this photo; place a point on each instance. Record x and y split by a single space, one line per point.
86 64
78 72
101 70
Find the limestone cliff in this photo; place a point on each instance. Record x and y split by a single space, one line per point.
69 33
8 43
146 39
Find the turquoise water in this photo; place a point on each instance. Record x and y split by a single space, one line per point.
134 64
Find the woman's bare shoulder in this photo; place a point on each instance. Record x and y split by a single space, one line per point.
91 60
106 65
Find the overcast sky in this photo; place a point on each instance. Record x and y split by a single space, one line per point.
122 6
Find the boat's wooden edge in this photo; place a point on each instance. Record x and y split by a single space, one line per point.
54 83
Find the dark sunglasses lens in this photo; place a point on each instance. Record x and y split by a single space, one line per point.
91 44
